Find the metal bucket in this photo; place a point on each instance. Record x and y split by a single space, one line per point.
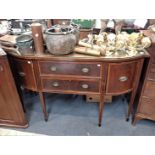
24 43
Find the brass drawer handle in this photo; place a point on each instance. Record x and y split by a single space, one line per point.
22 74
55 84
53 69
123 78
1 68
85 70
85 86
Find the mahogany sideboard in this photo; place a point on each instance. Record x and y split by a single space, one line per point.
11 111
79 74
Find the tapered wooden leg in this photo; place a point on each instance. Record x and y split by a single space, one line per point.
135 87
101 106
130 108
21 96
135 120
43 104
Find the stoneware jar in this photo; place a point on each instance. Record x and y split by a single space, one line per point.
60 40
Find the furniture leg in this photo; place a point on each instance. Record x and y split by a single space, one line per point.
130 108
101 106
43 104
135 87
20 92
135 120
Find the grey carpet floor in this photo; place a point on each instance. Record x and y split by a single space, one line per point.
70 115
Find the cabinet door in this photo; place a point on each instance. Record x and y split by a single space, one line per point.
11 112
25 73
120 77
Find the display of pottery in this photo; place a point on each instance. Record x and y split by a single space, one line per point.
122 44
62 39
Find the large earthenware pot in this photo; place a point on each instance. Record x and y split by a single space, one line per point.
60 40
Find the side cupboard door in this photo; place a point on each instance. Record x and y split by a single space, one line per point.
11 111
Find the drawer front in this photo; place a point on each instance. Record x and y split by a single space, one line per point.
147 106
70 68
149 89
25 73
151 74
120 77
70 85
88 86
55 84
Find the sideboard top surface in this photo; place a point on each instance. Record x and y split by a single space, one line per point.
78 57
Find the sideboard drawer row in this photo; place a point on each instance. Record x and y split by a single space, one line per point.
72 85
70 68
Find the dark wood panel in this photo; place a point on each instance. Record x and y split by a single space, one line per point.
69 68
11 112
25 73
120 77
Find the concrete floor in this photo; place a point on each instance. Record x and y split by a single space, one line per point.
70 115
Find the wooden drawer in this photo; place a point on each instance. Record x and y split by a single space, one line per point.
70 68
81 85
149 89
120 77
147 106
25 73
70 85
151 74
55 84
